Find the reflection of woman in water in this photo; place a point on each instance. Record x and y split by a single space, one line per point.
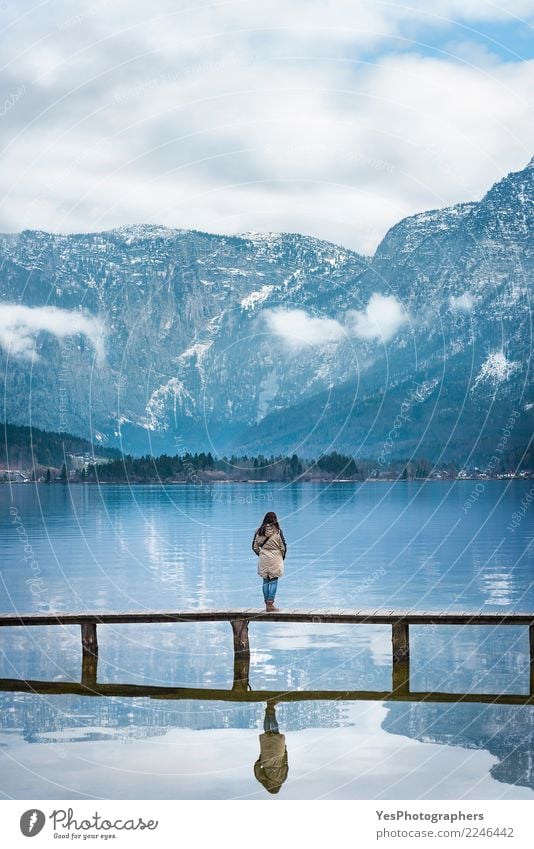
271 768
270 546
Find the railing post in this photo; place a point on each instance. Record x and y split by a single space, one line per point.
89 670
241 654
400 639
401 677
89 640
89 653
401 642
531 642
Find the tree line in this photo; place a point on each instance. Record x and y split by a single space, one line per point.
204 467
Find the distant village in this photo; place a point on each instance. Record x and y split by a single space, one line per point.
68 473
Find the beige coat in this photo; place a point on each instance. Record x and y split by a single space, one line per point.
271 768
271 550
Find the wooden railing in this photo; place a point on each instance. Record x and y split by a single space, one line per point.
400 621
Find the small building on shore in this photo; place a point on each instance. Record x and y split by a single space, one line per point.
13 476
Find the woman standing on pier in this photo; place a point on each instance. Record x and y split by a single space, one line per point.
270 546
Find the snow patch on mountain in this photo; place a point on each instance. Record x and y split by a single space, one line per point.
496 369
173 392
131 233
251 301
197 350
265 238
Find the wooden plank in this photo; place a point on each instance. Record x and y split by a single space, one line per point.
55 688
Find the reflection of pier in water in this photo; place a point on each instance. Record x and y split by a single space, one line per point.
241 693
506 732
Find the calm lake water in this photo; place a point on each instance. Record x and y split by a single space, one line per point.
407 545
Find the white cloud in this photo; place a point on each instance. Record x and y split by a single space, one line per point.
381 319
333 119
19 326
298 329
462 303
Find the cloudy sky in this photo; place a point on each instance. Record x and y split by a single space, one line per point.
334 119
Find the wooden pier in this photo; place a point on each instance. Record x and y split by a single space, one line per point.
399 620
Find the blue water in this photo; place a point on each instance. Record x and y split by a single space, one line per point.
426 546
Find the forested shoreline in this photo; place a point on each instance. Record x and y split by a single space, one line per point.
30 454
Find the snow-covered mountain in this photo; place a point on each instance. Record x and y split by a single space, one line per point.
452 379
176 340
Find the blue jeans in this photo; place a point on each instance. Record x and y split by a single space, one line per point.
269 588
270 724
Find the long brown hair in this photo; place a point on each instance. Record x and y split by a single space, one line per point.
269 519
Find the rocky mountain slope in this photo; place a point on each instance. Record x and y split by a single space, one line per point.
182 341
451 381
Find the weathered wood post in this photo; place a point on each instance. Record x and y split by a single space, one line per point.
241 654
89 640
89 653
400 639
89 670
531 641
